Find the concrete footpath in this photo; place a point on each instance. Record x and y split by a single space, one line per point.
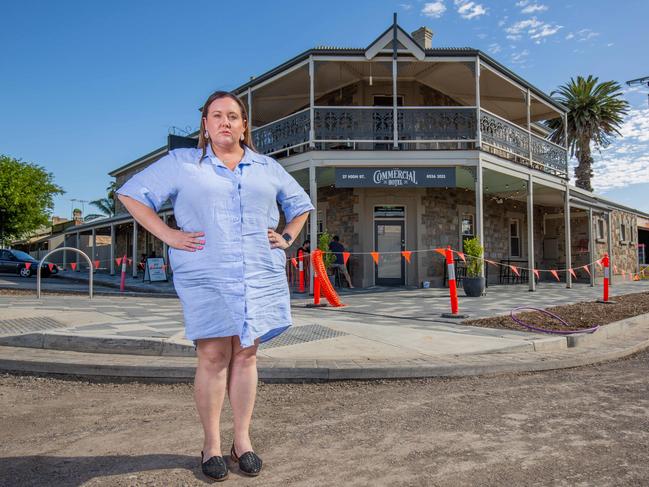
380 333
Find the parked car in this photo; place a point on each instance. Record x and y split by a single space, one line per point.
15 262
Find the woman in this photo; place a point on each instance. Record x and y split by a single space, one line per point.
228 261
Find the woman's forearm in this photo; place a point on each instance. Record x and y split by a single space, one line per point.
294 227
147 217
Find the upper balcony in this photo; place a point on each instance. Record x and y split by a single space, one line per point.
450 103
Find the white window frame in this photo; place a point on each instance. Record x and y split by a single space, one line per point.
463 235
518 236
599 229
623 233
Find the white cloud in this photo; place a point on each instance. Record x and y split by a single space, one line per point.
520 57
494 48
530 8
405 6
469 10
434 9
503 21
582 35
626 160
535 29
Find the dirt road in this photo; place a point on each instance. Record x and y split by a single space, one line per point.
587 426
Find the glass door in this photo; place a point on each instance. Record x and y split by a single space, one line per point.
389 238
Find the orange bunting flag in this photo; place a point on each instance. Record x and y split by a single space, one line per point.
28 265
51 266
346 257
536 273
441 251
375 256
599 263
119 261
586 269
294 262
515 270
406 255
572 273
96 264
554 273
636 278
74 266
461 254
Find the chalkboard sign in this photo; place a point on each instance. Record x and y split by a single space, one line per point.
155 269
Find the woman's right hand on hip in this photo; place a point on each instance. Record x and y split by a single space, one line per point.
188 241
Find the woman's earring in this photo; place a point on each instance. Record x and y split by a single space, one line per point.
242 138
207 134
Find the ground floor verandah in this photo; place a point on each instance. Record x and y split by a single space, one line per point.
523 218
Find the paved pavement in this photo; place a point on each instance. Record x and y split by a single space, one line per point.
383 332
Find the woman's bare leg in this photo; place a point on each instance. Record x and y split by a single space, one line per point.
242 389
209 389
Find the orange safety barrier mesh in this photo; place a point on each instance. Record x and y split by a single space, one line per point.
326 287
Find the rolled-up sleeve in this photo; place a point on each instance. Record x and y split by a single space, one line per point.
291 197
155 184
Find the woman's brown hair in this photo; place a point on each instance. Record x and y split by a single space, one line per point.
247 137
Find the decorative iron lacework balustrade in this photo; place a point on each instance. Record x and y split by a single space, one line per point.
550 155
287 132
436 123
353 123
504 135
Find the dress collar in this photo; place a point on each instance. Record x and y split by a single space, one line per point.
249 157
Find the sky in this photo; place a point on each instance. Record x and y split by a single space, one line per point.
87 87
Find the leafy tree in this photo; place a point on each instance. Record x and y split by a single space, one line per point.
595 112
107 205
26 197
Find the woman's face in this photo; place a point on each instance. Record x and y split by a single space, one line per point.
224 122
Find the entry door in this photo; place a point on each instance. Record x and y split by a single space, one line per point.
389 237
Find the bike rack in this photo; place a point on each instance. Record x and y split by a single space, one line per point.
38 272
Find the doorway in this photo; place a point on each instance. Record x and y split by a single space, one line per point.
389 239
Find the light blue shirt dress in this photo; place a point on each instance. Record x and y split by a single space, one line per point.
237 284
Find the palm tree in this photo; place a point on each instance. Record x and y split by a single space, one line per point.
107 205
595 112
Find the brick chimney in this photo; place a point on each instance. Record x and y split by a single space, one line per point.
424 37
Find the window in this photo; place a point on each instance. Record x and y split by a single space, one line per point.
622 232
467 227
600 228
514 238
320 225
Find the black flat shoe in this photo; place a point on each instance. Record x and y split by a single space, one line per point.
249 463
215 468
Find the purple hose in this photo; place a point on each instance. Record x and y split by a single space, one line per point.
554 332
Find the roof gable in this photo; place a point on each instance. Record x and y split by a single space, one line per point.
404 42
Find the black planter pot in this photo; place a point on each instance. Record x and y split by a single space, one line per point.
473 286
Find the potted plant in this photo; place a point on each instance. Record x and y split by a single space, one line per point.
474 282
323 244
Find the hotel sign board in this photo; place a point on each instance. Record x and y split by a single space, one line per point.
395 177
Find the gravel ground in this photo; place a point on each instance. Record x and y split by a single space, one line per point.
579 315
575 427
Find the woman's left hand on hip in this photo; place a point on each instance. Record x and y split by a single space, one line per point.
276 240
